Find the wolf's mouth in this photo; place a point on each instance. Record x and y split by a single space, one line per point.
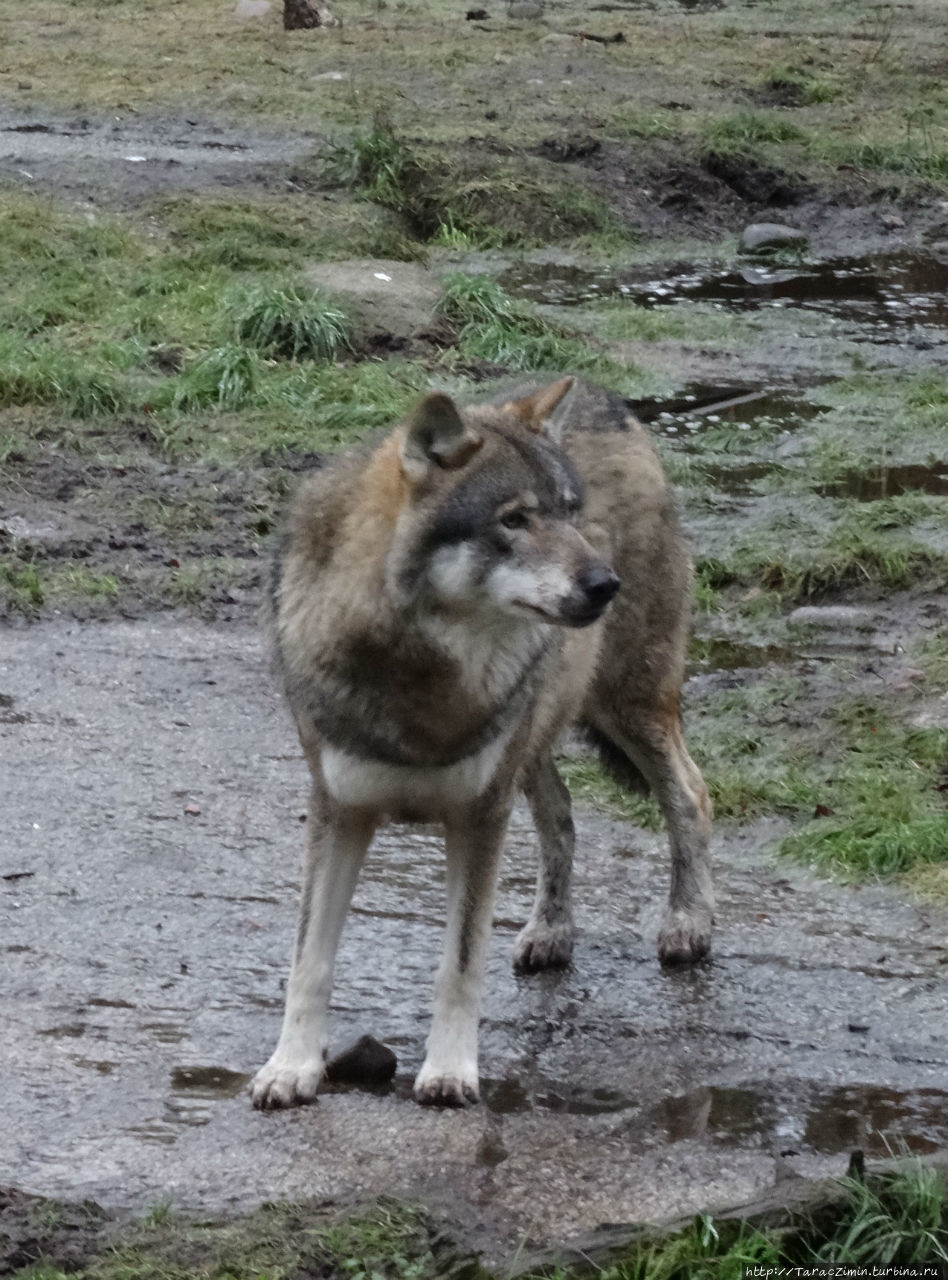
579 619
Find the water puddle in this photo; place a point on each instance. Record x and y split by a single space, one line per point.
795 1116
889 482
812 1117
701 406
100 1065
739 481
883 289
213 1083
716 653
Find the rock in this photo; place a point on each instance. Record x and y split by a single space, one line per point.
761 236
368 1061
892 221
252 8
524 9
833 617
383 297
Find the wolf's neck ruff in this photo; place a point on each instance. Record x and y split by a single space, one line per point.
421 699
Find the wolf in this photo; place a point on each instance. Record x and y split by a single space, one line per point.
443 607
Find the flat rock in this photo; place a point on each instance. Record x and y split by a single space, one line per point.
833 616
382 296
252 8
760 236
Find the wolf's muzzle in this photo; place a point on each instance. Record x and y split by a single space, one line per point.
594 589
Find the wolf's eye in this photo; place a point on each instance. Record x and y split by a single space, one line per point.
516 519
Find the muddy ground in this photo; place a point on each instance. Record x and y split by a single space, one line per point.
152 790
154 799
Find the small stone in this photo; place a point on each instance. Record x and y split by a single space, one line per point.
368 1061
892 221
252 8
761 236
524 9
192 810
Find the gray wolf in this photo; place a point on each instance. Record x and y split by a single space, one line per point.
444 606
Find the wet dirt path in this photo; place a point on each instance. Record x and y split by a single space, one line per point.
143 949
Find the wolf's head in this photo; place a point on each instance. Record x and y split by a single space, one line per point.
488 525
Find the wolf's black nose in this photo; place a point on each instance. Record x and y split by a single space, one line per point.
599 585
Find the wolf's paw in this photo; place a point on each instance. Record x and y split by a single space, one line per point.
685 937
446 1089
541 945
282 1083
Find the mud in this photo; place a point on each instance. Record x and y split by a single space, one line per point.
153 798
118 160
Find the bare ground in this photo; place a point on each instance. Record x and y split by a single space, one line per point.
153 799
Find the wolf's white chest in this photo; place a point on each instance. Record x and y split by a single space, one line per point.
419 790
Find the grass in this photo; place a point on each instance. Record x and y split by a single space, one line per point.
892 1219
453 196
494 327
294 326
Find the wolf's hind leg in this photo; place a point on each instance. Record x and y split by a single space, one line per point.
336 843
654 743
473 843
546 940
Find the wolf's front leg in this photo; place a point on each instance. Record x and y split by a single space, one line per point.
336 842
473 844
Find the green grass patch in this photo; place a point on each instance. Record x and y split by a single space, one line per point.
590 783
884 810
294 326
743 131
43 372
797 87
803 557
493 326
893 1219
461 197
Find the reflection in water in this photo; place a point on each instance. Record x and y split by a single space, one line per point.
880 289
821 1119
818 1118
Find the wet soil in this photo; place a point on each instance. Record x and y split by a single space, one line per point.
116 161
147 896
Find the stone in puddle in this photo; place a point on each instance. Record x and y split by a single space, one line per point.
760 236
368 1061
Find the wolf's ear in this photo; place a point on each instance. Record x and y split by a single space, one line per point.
435 435
538 411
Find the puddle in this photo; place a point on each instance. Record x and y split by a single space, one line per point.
208 1082
720 654
700 406
103 1067
884 289
889 482
166 1032
795 1116
816 1118
737 482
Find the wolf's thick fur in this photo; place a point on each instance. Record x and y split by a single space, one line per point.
441 612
